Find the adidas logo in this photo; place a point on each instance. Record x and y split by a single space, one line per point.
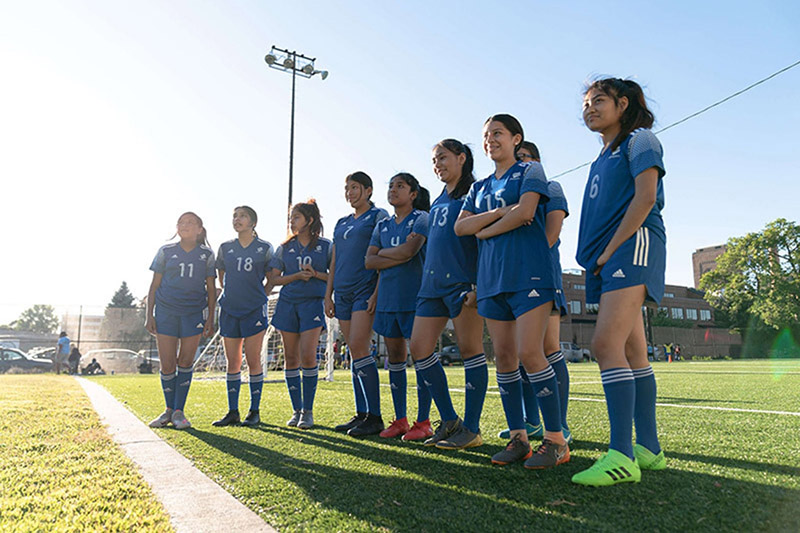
168 390
618 473
367 217
259 323
469 386
533 294
255 393
291 250
174 256
515 175
184 384
384 229
362 374
292 388
199 325
232 389
317 319
230 251
393 386
410 223
427 383
544 393
615 153
503 392
618 274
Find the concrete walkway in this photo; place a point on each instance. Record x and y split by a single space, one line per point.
194 502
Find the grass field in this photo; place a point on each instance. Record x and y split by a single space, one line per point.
730 431
59 470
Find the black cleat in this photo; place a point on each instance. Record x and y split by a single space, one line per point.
231 418
253 419
350 424
372 425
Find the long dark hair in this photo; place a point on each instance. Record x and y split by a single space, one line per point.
309 210
635 116
422 200
250 213
511 124
203 237
532 148
467 176
362 179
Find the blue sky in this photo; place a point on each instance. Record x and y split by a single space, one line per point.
117 117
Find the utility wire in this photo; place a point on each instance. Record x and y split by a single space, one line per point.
715 104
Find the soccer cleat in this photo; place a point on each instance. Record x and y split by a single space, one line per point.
419 431
306 420
231 418
350 424
179 420
371 425
460 439
395 429
647 460
516 450
443 430
612 468
292 422
252 419
163 420
548 455
567 435
532 431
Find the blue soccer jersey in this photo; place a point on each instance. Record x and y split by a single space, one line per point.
519 259
245 270
450 260
610 190
183 283
289 258
557 202
351 240
398 285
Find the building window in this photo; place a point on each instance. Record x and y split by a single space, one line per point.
669 295
677 313
691 314
592 309
705 315
575 307
579 286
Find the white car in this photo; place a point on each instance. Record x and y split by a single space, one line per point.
115 360
574 353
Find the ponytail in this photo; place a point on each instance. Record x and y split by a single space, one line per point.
467 176
309 210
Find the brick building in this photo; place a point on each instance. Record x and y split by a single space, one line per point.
705 260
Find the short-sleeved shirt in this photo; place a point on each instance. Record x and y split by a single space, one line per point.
557 202
245 270
450 260
610 190
518 259
350 240
183 283
63 345
398 285
289 258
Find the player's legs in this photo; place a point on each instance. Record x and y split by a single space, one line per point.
396 349
504 341
430 372
358 390
552 350
469 337
364 367
644 413
186 352
168 357
252 353
291 372
309 340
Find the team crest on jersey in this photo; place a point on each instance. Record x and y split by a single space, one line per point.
203 257
260 249
410 223
615 153
367 217
318 248
515 175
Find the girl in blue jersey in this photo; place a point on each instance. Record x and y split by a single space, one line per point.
355 290
622 246
181 291
516 289
397 251
448 292
301 265
242 265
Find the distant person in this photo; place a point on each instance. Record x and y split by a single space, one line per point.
62 350
182 293
74 360
677 352
93 368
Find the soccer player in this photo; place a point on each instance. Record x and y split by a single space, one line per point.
516 289
448 292
397 251
622 246
242 264
181 292
355 290
301 265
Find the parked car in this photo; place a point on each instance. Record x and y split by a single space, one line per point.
449 355
113 360
149 358
13 358
574 353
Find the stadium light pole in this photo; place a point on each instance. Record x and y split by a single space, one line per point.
298 65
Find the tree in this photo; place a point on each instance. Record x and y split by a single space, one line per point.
39 319
758 277
122 298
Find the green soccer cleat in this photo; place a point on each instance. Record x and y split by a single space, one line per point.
648 460
613 467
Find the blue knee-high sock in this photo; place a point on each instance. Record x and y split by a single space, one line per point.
184 381
292 377
559 365
620 390
358 391
644 411
546 387
529 403
431 374
234 383
368 374
423 400
256 383
310 377
510 385
476 377
398 383
168 387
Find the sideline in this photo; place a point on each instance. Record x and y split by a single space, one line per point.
194 502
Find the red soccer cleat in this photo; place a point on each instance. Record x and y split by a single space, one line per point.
419 431
395 429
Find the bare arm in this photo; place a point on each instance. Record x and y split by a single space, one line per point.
211 289
276 278
150 322
517 215
375 262
329 308
552 226
469 223
405 251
